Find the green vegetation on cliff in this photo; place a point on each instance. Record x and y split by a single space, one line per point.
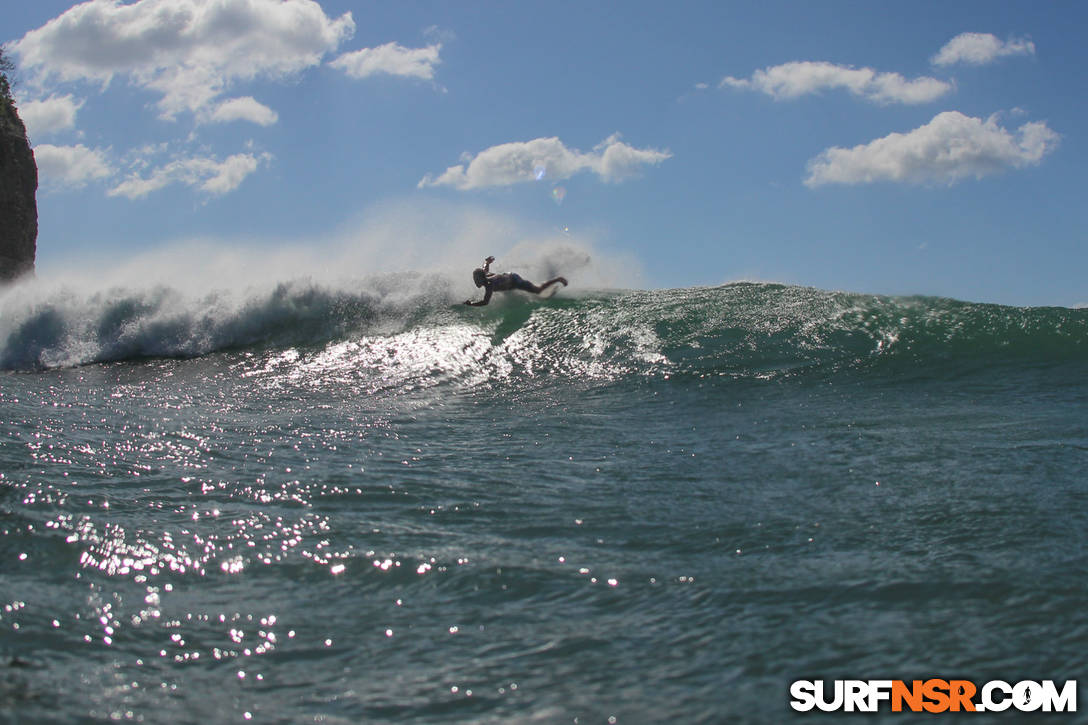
6 67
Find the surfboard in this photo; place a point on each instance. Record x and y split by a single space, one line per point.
550 291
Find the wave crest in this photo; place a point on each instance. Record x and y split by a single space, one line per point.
739 330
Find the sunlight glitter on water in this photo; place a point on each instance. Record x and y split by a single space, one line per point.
415 359
539 342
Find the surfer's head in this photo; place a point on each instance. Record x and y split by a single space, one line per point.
479 277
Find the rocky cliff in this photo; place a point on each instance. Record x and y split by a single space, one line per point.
18 207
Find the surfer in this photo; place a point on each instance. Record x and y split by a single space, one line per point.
505 282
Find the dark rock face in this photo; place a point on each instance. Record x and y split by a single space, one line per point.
18 206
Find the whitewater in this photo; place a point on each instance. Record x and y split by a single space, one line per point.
361 501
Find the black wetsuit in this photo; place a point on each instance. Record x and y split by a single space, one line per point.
509 281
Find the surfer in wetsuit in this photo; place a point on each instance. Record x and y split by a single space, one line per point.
506 282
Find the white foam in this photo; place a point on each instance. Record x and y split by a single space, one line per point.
195 296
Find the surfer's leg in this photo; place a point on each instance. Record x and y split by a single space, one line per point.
525 285
550 282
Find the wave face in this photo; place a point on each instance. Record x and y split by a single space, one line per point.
737 330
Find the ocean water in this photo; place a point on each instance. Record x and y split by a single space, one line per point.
315 505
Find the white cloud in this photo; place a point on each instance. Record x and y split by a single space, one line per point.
949 148
56 113
244 109
206 174
522 161
391 59
439 35
980 49
798 78
70 166
189 51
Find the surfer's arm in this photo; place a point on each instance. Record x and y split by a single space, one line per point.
487 264
484 301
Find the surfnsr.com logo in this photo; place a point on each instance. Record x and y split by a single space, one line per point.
933 695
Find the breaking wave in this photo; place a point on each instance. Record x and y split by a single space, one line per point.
741 329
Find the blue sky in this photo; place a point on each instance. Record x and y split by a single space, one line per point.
915 148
